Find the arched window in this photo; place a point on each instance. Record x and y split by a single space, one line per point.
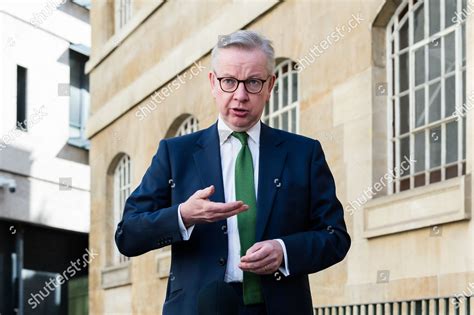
189 125
122 189
426 77
282 110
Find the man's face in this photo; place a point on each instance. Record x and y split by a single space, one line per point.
240 109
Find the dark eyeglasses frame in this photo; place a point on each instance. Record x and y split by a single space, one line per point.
241 81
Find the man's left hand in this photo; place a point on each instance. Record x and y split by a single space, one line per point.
262 258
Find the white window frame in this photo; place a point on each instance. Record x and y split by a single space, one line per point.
122 189
189 125
274 118
459 73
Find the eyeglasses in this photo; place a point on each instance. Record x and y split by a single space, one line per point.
252 85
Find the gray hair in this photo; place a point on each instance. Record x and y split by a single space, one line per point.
247 40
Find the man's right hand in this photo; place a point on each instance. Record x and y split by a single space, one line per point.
199 209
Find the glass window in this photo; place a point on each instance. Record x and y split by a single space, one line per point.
282 110
189 125
122 189
428 84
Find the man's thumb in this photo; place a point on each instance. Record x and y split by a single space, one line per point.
206 192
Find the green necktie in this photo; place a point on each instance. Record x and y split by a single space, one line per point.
245 191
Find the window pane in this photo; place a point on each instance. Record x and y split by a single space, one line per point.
285 91
393 119
393 76
275 122
463 35
404 35
450 96
434 58
464 137
275 97
420 151
404 156
435 102
452 171
403 12
420 180
420 107
284 119
451 142
403 71
450 10
294 87
435 176
449 53
435 147
404 114
21 98
293 120
434 16
420 66
419 23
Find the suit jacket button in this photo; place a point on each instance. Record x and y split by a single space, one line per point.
222 261
277 276
224 228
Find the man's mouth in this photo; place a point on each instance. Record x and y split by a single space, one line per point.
240 112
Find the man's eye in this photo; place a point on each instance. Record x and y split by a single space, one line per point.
253 82
228 81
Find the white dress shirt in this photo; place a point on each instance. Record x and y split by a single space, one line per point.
230 147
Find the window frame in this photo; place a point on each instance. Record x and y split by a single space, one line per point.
269 114
122 184
394 97
188 126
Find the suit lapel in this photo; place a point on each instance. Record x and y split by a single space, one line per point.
208 162
271 161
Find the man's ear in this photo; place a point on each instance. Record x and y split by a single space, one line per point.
212 81
271 85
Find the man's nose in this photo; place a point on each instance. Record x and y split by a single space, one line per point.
241 94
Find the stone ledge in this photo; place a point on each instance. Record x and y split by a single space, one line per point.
236 16
116 276
116 39
417 208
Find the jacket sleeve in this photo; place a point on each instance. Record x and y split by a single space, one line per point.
149 220
327 241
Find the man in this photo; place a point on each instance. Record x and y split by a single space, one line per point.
239 201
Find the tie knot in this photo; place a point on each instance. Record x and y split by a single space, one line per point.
242 136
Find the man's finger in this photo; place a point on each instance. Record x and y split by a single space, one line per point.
255 253
221 207
206 192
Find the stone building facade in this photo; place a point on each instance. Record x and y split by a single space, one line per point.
385 86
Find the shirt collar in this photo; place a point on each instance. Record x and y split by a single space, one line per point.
225 131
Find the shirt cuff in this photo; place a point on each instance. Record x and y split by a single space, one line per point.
185 233
284 269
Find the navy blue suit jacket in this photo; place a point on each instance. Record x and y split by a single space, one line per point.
296 202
